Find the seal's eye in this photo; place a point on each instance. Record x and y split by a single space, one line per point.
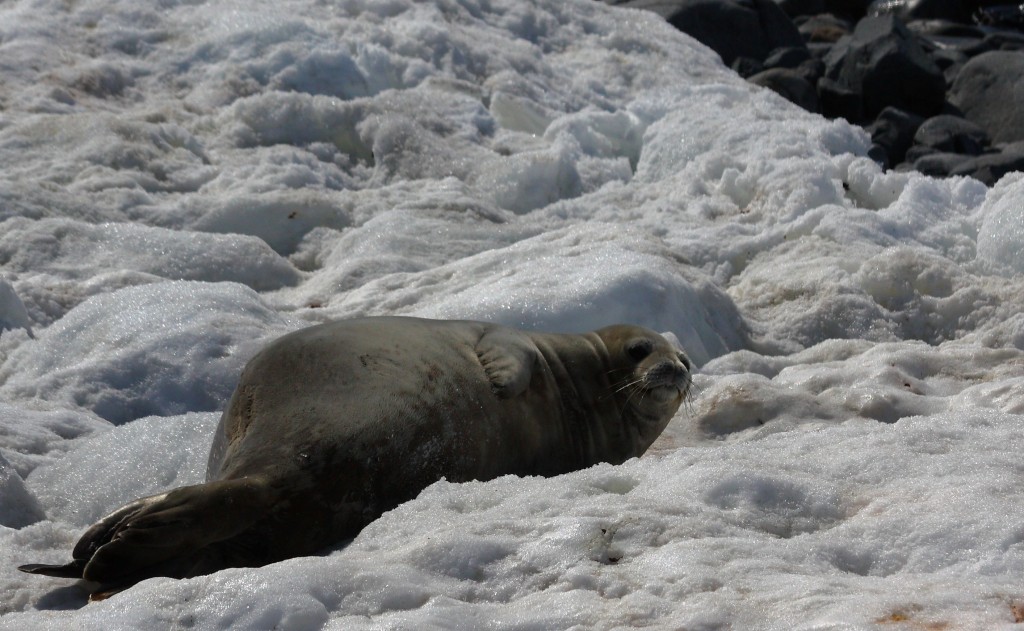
638 349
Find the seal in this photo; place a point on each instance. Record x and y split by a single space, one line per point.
333 425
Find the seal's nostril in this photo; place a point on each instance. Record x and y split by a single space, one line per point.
685 361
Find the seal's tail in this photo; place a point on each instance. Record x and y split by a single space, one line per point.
165 535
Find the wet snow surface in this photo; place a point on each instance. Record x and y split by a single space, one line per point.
181 182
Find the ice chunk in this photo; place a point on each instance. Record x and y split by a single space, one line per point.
1001 238
164 348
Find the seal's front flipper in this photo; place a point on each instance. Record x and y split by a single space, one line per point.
508 358
165 535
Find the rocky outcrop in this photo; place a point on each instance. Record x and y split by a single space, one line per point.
989 90
732 28
939 84
885 64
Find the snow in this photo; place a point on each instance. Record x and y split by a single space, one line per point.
1001 235
182 182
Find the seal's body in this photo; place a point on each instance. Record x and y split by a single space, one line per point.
332 425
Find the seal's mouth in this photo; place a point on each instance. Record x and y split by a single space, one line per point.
667 378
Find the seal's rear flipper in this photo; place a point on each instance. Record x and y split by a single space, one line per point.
68 570
104 594
165 535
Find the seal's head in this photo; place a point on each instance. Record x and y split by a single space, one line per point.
650 378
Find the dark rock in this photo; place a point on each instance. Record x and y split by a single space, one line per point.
852 10
884 62
819 50
947 50
838 101
888 7
1004 15
952 110
732 28
746 66
917 152
990 167
946 58
946 29
951 134
790 85
1006 40
952 10
894 131
940 164
795 8
979 48
787 57
823 28
952 73
1000 40
812 70
1012 46
989 90
879 155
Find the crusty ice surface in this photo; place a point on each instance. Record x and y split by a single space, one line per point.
181 182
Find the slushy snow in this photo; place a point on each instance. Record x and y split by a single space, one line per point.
182 182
